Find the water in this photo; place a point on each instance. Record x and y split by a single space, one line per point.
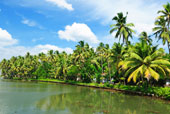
46 98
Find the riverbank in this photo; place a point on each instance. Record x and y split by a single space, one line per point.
156 92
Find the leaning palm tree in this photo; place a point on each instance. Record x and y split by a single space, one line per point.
123 29
149 66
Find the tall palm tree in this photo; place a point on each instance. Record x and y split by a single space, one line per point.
162 32
109 59
118 53
78 53
122 27
81 57
165 16
62 65
100 51
165 13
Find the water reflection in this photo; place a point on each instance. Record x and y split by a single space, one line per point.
45 98
88 101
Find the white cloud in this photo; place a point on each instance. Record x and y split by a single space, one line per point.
77 32
109 39
140 12
31 23
8 49
61 4
42 5
45 48
6 38
37 39
8 52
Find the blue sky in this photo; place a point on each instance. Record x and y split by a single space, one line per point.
41 25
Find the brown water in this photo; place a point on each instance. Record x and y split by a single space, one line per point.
46 98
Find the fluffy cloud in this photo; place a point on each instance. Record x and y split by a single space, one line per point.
61 4
109 39
8 52
45 48
77 32
141 12
8 49
6 38
41 5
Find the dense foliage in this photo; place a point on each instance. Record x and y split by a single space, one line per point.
142 61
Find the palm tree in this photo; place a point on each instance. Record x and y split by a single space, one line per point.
140 65
4 67
161 32
118 52
100 51
78 53
165 13
122 27
81 56
50 54
109 59
144 37
62 65
164 19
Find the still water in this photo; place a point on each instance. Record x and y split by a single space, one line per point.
48 98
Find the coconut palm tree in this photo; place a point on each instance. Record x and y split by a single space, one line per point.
117 55
118 52
50 54
100 51
4 66
78 52
165 13
123 28
144 37
80 58
109 59
162 32
164 18
150 65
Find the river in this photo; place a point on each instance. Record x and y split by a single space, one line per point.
18 97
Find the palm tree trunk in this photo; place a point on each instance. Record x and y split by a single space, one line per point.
168 41
102 64
109 70
127 43
117 67
169 47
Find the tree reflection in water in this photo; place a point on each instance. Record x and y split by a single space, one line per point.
88 101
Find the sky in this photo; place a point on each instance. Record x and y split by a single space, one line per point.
40 25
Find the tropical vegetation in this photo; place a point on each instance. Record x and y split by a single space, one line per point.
126 63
